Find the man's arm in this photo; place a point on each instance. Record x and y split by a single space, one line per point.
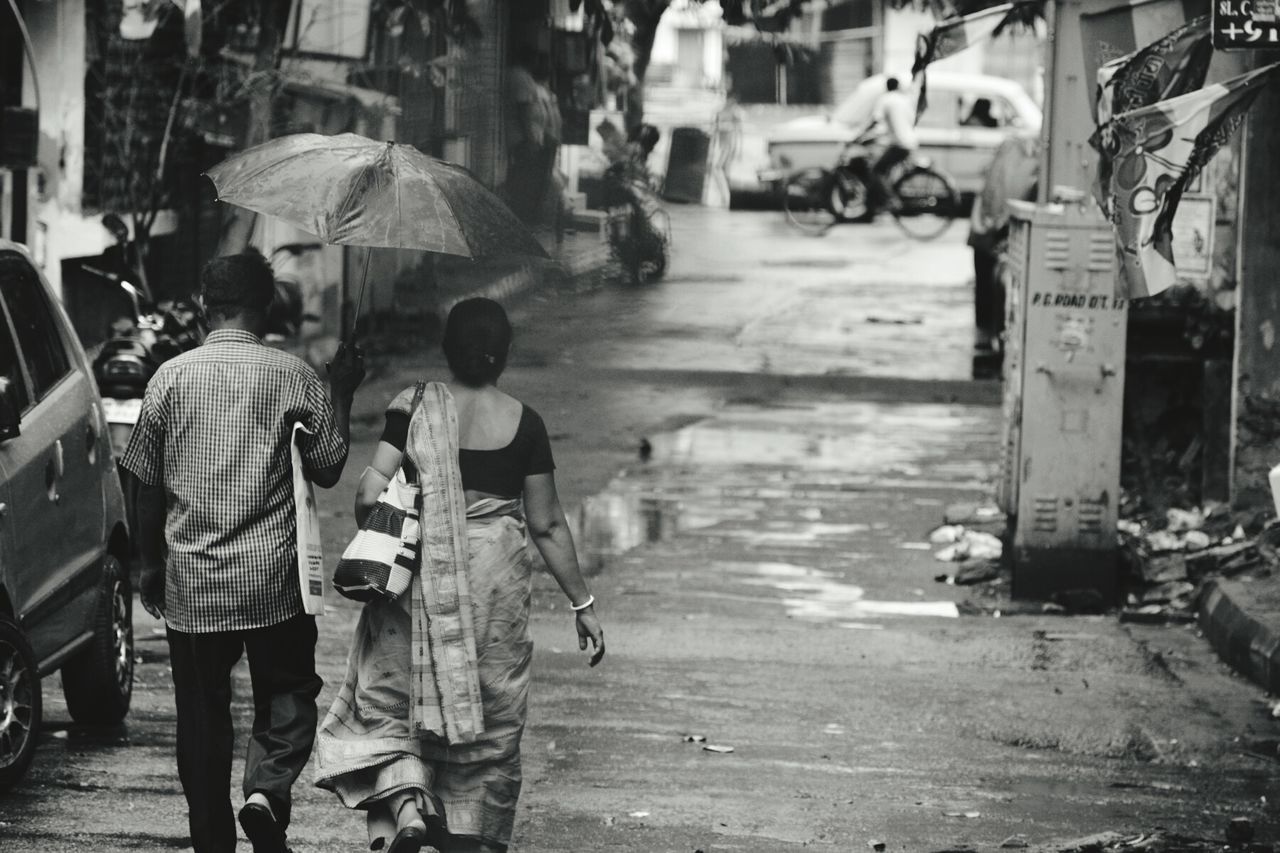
149 517
142 480
346 372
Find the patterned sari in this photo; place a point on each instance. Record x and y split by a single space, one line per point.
404 718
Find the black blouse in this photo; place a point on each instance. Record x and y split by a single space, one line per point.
496 472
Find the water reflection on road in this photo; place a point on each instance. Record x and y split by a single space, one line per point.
789 502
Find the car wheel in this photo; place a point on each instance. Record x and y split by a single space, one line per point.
19 702
98 681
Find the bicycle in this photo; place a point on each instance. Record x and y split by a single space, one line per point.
817 199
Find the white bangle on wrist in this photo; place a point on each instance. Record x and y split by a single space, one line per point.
578 608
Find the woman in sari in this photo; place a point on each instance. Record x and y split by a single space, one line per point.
425 732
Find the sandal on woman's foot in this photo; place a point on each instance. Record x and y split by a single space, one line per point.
409 839
411 834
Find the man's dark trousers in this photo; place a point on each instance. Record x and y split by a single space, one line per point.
282 669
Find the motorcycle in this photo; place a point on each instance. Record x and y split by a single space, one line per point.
640 232
128 360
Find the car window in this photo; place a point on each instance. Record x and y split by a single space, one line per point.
985 110
40 343
11 378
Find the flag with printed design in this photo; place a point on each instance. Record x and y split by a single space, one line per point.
1155 152
1124 27
1170 66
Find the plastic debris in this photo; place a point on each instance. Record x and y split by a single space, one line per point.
962 814
1129 528
972 545
711 747
1197 540
1183 520
1014 842
947 534
638 814
878 846
695 738
1165 540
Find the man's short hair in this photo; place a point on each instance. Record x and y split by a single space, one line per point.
891 84
235 283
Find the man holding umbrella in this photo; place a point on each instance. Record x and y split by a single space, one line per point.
212 456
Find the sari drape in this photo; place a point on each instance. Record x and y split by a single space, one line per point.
390 729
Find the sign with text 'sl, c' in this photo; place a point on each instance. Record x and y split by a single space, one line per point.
1246 24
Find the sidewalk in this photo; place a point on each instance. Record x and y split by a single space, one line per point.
1241 620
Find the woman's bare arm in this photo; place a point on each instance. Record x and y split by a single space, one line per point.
386 459
549 530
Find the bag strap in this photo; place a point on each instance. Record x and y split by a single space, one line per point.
418 391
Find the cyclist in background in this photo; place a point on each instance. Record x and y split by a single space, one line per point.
896 116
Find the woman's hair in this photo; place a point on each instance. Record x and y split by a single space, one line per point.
477 336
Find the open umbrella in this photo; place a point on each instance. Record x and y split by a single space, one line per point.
353 191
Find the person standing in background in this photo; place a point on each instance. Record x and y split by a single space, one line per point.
727 146
533 133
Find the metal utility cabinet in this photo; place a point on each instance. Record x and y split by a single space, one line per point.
1063 404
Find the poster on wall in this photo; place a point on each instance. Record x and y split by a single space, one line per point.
1193 228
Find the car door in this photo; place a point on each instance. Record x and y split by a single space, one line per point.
978 142
936 129
53 469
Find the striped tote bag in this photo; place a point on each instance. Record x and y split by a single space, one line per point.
382 558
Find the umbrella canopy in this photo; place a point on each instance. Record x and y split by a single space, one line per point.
354 191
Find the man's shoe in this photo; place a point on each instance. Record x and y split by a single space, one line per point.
260 827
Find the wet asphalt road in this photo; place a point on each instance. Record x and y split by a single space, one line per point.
764 584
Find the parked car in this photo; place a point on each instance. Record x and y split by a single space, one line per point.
65 597
967 117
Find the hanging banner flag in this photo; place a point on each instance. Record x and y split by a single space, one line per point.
950 37
1171 66
1119 30
1158 150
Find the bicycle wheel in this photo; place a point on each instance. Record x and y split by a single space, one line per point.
849 198
929 203
806 198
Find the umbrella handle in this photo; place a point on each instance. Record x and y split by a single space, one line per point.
364 279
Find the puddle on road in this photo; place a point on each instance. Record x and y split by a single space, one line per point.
782 483
819 596
809 263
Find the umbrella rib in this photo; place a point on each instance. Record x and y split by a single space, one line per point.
351 190
454 214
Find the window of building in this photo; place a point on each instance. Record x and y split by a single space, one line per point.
330 28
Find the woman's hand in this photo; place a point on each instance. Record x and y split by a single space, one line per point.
589 629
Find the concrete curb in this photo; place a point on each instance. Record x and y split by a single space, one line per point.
1244 642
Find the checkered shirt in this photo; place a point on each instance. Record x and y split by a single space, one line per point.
214 430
